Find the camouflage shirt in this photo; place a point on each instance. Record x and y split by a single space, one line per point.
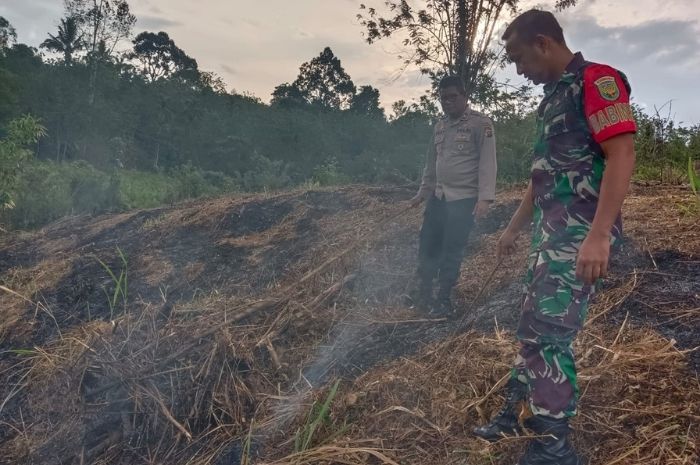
586 106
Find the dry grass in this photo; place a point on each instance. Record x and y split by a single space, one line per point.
655 217
21 294
219 379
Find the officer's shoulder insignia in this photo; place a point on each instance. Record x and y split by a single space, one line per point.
607 87
479 116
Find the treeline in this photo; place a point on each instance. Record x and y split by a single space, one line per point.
137 123
147 126
144 125
150 122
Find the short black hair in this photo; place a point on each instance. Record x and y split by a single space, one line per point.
453 80
533 23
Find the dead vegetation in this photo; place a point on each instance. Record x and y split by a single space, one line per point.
237 318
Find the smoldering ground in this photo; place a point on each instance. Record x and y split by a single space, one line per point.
218 356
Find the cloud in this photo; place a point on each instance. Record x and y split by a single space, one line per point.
299 33
155 23
144 5
664 43
228 69
252 23
660 56
32 20
29 9
258 45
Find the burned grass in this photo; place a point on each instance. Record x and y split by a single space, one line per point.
243 313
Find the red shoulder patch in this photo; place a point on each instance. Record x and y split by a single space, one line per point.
606 103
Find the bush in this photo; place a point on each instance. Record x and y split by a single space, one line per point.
514 142
328 174
189 182
143 189
48 190
21 132
266 174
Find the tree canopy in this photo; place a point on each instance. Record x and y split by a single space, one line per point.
451 37
68 40
159 57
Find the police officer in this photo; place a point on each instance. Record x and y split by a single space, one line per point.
459 182
582 164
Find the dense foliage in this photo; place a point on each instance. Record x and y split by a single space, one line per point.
145 126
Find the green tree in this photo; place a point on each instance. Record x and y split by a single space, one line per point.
210 81
8 81
563 4
68 40
20 69
366 102
8 34
444 37
322 82
424 109
160 58
13 153
105 22
288 96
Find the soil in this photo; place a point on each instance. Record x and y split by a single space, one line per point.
234 250
669 286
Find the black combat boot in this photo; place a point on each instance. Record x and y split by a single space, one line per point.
442 307
505 422
420 297
553 446
443 303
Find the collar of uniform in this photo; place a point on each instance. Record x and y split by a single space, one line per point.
465 116
575 64
569 72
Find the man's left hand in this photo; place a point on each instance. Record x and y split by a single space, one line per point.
480 209
592 260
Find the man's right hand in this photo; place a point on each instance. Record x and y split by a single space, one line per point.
415 201
506 244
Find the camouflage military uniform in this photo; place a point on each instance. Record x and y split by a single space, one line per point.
588 105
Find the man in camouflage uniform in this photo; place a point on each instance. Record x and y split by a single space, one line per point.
583 161
459 182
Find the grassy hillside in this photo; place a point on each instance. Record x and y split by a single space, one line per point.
270 329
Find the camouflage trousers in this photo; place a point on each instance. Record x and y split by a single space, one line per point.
554 307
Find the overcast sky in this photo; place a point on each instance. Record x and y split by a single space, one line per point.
255 46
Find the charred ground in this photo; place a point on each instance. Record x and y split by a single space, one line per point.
239 312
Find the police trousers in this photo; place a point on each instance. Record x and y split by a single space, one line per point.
443 238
